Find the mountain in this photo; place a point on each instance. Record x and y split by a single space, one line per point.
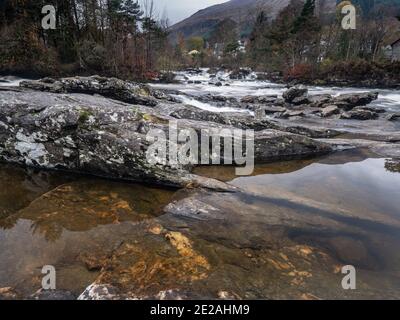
242 11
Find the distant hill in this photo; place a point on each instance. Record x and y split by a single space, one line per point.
243 12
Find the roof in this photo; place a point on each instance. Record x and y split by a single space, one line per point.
395 42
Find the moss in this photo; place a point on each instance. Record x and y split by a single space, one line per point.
84 116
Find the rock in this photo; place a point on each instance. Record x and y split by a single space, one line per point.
269 99
8 293
318 101
295 92
94 135
239 74
289 114
167 77
105 138
272 110
282 145
108 87
352 100
218 84
359 114
52 295
330 111
393 117
300 100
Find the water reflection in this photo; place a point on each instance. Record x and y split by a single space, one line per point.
285 236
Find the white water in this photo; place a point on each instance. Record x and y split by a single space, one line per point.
10 81
205 106
388 99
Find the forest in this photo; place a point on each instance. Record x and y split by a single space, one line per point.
131 40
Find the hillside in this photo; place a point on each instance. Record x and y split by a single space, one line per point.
244 12
241 11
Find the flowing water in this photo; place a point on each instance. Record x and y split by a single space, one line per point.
286 235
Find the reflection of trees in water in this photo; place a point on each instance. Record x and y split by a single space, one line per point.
51 231
8 222
83 205
392 165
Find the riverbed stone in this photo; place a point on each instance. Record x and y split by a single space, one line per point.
330 111
295 94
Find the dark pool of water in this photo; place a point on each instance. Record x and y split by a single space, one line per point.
285 236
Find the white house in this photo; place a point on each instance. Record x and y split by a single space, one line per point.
395 54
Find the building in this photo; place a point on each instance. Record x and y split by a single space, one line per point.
395 46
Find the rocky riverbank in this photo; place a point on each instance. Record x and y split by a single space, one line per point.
197 242
72 124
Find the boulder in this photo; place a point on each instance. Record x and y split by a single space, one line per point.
330 111
239 74
318 101
359 114
352 100
393 116
268 99
290 113
108 87
299 93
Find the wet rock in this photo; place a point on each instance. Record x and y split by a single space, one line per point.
272 109
298 93
291 113
91 134
108 87
100 292
52 295
393 117
282 145
318 101
108 292
8 293
167 77
269 99
239 74
330 111
300 101
351 100
52 131
359 114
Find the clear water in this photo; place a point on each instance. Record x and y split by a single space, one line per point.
286 235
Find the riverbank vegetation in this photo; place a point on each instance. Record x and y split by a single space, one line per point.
115 37
129 40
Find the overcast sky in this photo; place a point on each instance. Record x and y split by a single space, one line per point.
178 10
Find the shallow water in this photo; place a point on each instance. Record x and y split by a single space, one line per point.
286 235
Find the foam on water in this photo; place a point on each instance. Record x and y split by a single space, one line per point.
388 99
205 106
10 81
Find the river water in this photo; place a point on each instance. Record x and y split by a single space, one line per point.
286 236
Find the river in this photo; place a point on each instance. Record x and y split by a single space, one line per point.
286 236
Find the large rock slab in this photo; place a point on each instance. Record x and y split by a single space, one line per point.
95 135
108 87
